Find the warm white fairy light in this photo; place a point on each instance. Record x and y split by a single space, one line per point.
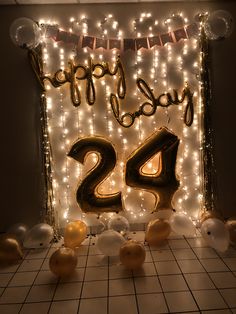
67 123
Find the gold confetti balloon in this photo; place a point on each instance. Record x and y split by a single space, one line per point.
157 232
132 254
63 262
75 233
10 250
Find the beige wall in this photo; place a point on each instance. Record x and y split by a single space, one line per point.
21 178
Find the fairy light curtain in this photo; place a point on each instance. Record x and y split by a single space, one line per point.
124 90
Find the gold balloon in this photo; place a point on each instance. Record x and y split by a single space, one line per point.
157 232
63 262
164 183
231 226
132 254
88 197
10 249
209 214
75 233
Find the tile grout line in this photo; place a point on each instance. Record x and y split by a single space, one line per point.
135 293
167 305
38 271
184 276
14 273
85 268
208 273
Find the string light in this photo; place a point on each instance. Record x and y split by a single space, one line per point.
158 65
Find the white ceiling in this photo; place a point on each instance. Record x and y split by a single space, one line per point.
17 2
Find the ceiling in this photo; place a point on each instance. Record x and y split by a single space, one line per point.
18 2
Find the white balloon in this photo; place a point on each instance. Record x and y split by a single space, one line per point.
216 234
119 224
181 224
25 33
19 230
39 236
109 242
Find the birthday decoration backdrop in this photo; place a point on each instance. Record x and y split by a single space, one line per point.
124 117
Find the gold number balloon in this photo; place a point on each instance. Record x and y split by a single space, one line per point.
87 195
75 233
157 232
10 250
132 254
164 183
63 262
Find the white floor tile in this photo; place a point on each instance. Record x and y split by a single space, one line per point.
180 301
89 306
35 308
147 285
94 289
178 244
230 262
173 283
67 291
164 255
37 253
199 281
96 260
225 311
5 278
14 295
229 296
214 264
197 242
41 293
10 308
152 303
121 287
31 265
82 260
223 279
163 246
96 273
82 250
77 275
119 271
23 279
167 268
62 307
45 277
148 269
190 266
45 264
181 254
118 305
10 268
209 299
202 252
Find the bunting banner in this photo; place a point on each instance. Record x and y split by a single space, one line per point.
93 42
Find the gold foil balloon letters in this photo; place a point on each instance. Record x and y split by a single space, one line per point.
164 183
87 195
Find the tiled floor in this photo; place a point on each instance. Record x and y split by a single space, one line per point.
183 276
